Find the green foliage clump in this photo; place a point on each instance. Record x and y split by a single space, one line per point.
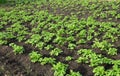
17 49
60 69
34 56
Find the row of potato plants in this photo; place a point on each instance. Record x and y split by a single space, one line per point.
104 9
88 56
58 67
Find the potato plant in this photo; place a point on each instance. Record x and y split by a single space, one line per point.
55 52
60 69
34 56
17 49
72 73
47 60
68 58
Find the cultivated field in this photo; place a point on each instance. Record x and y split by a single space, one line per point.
60 38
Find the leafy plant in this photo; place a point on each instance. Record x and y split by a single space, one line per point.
47 60
88 56
112 51
72 73
60 40
18 30
34 56
109 35
81 41
71 46
47 36
55 52
17 49
59 69
70 39
48 47
86 53
105 46
102 45
68 58
99 71
82 34
35 38
40 45
2 37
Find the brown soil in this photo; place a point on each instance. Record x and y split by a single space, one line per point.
20 65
